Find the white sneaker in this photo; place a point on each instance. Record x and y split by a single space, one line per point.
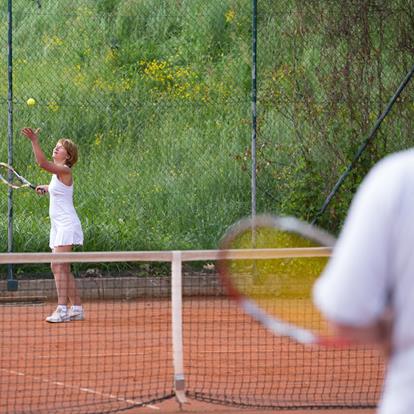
76 315
58 316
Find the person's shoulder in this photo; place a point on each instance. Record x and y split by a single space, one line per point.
396 164
391 176
66 170
398 159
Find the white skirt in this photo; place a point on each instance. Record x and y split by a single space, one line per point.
65 236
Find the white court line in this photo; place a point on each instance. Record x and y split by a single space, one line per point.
86 390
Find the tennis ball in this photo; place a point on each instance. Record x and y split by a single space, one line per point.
31 102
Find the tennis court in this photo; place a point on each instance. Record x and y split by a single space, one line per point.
122 356
188 115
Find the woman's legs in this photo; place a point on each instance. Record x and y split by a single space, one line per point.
67 291
65 281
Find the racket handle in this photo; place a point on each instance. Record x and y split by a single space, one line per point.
41 190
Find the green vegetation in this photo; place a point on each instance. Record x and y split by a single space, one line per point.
157 99
157 95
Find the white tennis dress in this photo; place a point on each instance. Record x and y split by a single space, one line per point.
66 227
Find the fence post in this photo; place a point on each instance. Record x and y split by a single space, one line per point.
254 99
11 282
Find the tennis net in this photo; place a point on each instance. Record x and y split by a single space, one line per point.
149 337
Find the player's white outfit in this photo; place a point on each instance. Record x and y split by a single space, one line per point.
373 265
65 228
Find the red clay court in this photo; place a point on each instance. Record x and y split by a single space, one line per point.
121 357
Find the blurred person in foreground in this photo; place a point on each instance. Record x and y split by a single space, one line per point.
367 289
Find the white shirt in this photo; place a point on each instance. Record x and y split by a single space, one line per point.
372 262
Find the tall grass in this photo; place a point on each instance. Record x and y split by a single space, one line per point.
152 95
157 95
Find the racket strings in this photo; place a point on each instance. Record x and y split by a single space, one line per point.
281 287
11 178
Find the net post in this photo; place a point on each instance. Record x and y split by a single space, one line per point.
177 327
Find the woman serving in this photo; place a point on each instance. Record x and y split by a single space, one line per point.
66 229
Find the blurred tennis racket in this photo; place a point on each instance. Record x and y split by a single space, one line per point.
10 177
274 287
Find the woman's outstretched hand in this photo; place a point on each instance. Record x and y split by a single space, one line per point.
30 133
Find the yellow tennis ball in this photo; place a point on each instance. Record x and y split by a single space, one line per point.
31 102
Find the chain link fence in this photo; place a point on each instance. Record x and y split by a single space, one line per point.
327 71
157 94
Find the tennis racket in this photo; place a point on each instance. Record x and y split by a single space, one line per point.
273 286
10 177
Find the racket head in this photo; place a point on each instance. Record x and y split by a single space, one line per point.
268 288
11 178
